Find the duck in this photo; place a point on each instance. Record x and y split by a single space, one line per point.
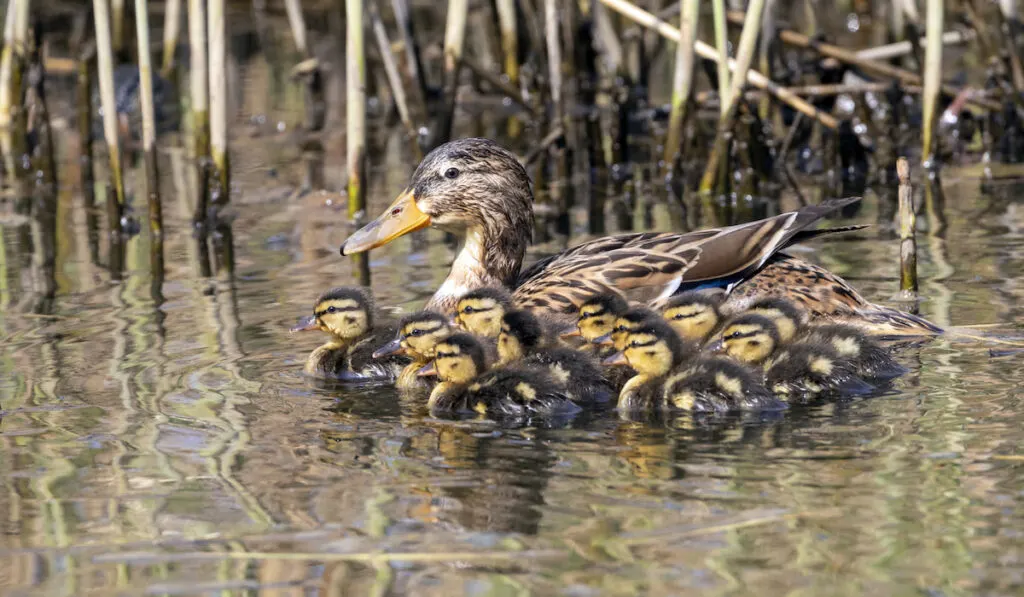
869 358
349 315
522 340
467 385
418 336
797 370
694 315
479 311
671 376
480 191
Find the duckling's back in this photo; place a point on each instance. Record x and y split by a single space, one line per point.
359 360
871 360
717 384
518 391
810 369
579 373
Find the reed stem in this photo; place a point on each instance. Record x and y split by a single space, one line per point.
84 100
394 77
754 78
219 99
149 140
682 84
454 42
117 25
298 25
172 29
932 79
908 243
9 83
355 108
198 82
105 62
722 46
410 65
744 55
509 39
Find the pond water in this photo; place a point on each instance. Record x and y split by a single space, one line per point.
176 448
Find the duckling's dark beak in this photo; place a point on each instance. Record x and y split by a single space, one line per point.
428 370
402 217
306 324
393 347
573 333
605 340
618 358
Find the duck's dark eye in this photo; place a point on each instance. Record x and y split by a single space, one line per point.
416 333
451 173
331 309
468 310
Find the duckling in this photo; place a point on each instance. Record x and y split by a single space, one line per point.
349 316
418 335
596 319
466 384
625 323
694 315
522 339
668 378
804 368
868 357
479 311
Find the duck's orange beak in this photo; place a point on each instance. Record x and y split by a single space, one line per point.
605 340
393 347
573 333
428 370
402 217
618 358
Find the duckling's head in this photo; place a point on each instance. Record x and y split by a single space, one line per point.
598 313
419 333
629 321
480 311
346 313
750 338
653 348
521 334
787 315
461 185
459 358
693 315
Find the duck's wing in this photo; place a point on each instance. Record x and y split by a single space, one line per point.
647 267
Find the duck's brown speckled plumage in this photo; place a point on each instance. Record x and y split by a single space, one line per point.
476 188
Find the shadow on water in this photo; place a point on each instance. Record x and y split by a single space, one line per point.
157 435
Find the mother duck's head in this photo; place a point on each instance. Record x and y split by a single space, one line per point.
461 185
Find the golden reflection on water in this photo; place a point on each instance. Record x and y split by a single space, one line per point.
175 448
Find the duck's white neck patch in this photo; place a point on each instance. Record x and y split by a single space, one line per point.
467 273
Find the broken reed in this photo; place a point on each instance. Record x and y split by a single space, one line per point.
355 107
908 223
217 37
198 83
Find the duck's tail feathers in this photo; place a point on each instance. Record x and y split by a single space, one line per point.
806 235
887 322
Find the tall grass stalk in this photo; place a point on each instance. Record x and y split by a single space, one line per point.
219 98
105 63
932 78
355 105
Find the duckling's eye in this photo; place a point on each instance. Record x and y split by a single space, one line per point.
332 309
468 310
451 173
416 332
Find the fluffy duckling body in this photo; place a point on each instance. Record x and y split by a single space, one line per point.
350 317
667 376
694 315
869 359
522 340
796 369
418 336
466 384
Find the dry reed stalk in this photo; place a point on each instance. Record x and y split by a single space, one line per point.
105 64
217 35
496 81
722 46
172 28
554 48
148 122
682 84
902 48
409 64
454 42
117 25
198 89
355 108
908 244
9 82
932 79
754 78
394 78
509 39
731 103
83 93
298 25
